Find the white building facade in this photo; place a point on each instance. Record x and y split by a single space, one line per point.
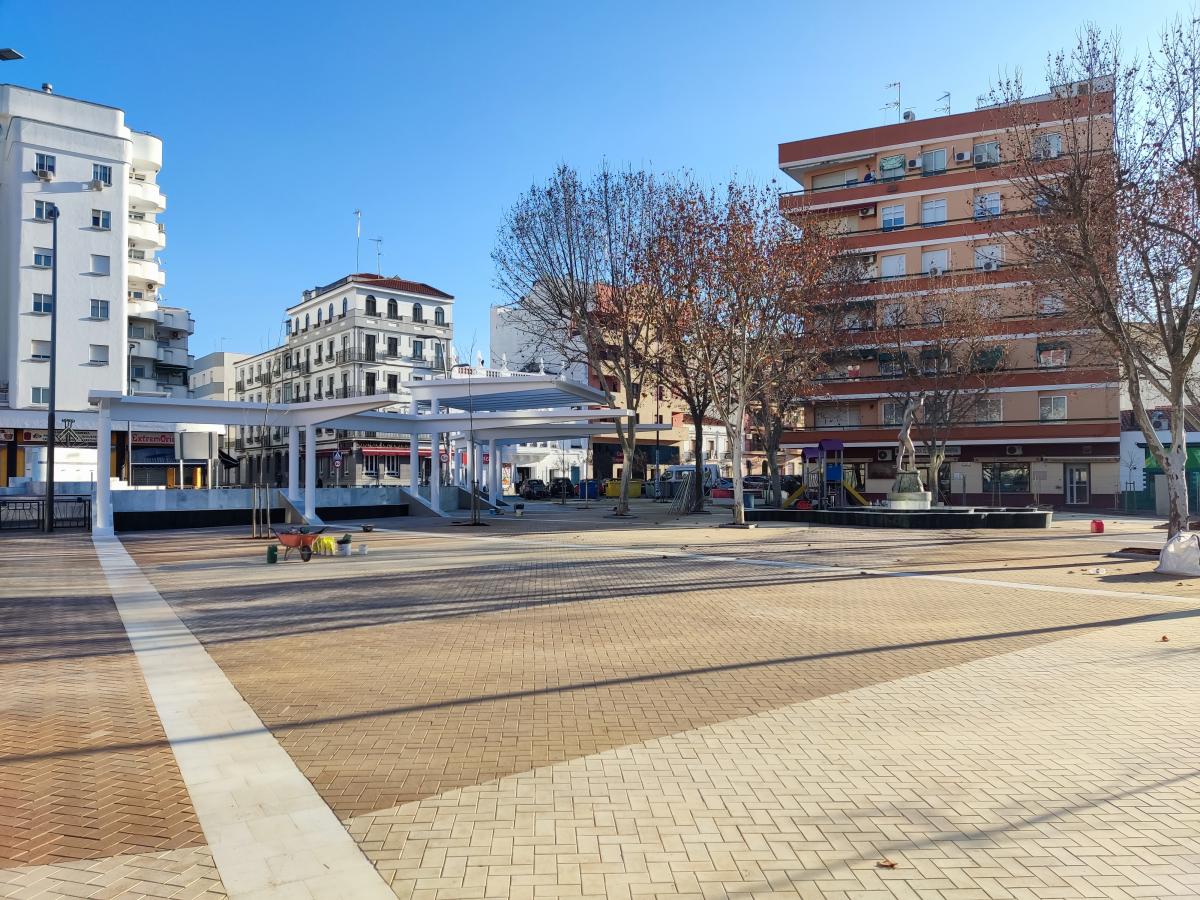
81 160
357 337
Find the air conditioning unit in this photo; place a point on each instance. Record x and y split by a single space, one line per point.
884 454
43 174
868 259
962 157
865 211
990 265
934 271
914 163
1160 421
981 159
95 185
1013 450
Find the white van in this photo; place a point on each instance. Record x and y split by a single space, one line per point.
712 473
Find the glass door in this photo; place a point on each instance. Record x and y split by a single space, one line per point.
1077 478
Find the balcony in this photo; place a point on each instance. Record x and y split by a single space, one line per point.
147 270
146 196
147 234
175 320
175 391
175 358
1004 432
147 151
145 348
353 356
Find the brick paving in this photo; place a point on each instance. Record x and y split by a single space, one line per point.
71 688
574 705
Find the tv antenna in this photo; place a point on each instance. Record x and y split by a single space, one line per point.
895 104
378 242
944 103
357 239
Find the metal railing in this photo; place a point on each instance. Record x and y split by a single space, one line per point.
28 513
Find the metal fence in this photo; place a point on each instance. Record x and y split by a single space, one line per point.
28 513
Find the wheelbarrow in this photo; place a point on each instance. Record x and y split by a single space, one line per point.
298 539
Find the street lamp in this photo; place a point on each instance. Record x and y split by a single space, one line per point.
48 518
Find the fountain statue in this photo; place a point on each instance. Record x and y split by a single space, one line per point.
907 490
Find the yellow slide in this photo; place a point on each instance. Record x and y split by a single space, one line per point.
794 496
858 498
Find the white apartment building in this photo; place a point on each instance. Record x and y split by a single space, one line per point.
213 375
361 335
80 158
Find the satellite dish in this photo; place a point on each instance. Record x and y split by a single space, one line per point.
909 116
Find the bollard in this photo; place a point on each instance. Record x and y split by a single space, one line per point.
362 549
272 554
1097 526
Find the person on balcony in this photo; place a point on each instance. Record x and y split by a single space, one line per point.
869 177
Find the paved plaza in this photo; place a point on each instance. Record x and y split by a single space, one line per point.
571 704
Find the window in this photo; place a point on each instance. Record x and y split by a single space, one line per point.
987 206
370 383
393 309
891 168
42 210
989 409
989 257
372 306
892 217
892 363
836 416
329 315
102 219
345 306
1006 477
44 162
439 316
892 266
1053 409
102 174
1047 146
307 321
891 412
935 259
1051 306
418 313
137 254
935 361
934 315
987 360
40 350
289 326
393 346
392 382
140 372
933 212
990 307
986 153
42 257
99 309
1053 355
891 314
418 349
100 264
99 354
933 162
319 313
43 304
329 349
319 346
40 395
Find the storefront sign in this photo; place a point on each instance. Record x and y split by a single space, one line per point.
6 434
153 439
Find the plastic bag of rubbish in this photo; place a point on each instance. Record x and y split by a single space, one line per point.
1181 555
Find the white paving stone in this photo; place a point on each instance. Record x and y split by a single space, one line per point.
240 780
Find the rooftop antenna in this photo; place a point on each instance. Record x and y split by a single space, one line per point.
378 242
895 104
357 239
944 103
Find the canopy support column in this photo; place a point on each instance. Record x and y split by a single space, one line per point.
493 481
435 462
293 482
310 473
414 456
103 522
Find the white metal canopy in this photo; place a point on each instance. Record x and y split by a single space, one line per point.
499 393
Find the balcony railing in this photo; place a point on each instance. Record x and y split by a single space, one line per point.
351 356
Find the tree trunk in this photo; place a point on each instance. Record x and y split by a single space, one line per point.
937 458
628 436
698 496
1176 474
773 472
735 437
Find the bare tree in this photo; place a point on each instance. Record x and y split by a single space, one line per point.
942 345
764 275
673 270
1109 165
567 255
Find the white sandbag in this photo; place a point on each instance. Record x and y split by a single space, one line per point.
1181 555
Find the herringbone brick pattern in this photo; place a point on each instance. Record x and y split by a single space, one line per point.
71 689
438 663
1066 770
173 875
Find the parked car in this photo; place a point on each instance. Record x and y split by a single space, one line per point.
561 487
534 489
756 483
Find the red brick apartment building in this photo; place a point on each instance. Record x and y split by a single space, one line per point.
930 203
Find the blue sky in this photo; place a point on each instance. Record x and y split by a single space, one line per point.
279 120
